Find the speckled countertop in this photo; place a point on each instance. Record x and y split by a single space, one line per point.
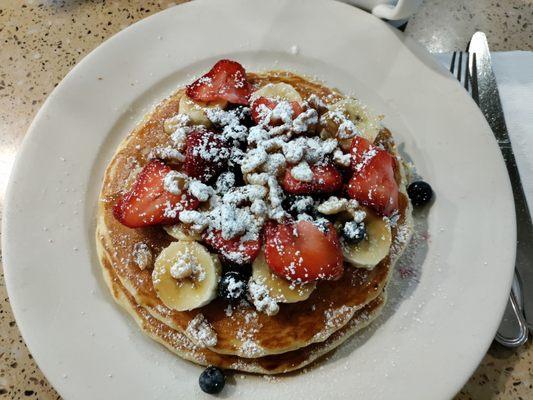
40 41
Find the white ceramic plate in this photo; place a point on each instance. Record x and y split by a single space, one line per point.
438 325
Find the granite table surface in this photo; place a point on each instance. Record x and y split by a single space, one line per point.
40 41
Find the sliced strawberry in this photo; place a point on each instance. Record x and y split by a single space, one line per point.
300 251
148 203
233 250
374 185
225 81
326 179
206 156
262 104
362 152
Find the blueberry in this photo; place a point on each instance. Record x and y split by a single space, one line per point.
232 286
420 193
299 205
212 380
353 232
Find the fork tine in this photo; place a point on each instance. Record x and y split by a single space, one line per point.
459 66
467 72
452 64
475 91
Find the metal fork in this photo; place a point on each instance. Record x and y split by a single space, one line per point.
513 329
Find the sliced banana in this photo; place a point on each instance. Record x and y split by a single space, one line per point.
278 91
354 113
281 290
181 232
374 248
191 290
197 111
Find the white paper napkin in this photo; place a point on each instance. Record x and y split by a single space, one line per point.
514 75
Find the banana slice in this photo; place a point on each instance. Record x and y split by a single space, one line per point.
197 111
186 275
181 232
279 289
371 250
346 112
281 91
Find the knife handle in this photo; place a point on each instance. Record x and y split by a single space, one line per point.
524 228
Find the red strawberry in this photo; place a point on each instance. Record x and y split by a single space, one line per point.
300 251
233 250
225 81
326 179
148 203
374 185
362 152
206 156
260 103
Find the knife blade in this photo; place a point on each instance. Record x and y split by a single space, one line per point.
488 98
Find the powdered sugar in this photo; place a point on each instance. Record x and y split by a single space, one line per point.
199 190
167 154
342 159
305 120
234 287
201 332
253 159
302 172
333 205
261 299
365 158
177 121
142 255
174 182
187 266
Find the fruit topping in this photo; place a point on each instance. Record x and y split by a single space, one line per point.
347 119
225 81
212 380
303 252
420 193
375 244
148 203
232 286
186 275
297 205
373 182
274 113
353 232
206 156
235 249
307 179
279 289
278 91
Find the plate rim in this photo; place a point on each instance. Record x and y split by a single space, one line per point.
33 131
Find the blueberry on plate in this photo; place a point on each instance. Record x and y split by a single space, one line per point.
353 232
212 380
420 193
232 286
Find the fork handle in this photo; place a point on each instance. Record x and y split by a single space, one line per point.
513 330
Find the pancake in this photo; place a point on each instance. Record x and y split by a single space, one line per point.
179 344
245 333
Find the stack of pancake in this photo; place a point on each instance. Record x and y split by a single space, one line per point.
247 340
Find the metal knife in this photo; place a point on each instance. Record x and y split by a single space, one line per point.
486 94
